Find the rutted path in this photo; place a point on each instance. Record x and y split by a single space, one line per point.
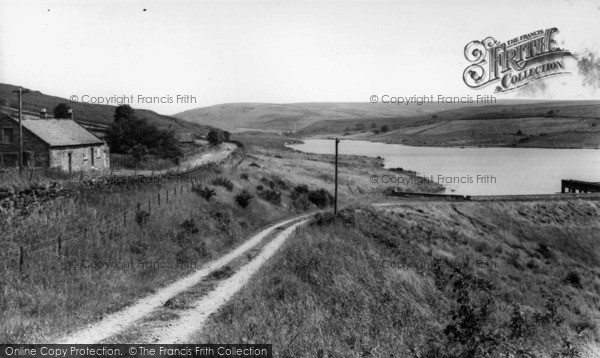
127 325
120 321
192 320
202 158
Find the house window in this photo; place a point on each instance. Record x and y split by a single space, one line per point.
9 160
8 135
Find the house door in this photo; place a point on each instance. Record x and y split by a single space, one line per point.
27 159
70 155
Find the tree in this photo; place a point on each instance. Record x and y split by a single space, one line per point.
385 128
122 137
217 136
61 110
139 152
124 112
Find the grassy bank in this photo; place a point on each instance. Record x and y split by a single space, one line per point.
433 280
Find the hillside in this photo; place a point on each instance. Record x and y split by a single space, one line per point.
296 116
552 124
102 114
428 280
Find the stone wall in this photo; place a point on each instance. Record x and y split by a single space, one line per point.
81 158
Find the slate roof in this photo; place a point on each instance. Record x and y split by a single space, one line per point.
59 132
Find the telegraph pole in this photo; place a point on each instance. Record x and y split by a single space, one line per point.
337 141
20 91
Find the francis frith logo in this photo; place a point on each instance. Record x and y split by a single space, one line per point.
516 62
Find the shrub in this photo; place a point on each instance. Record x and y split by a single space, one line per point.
189 226
321 198
545 251
301 189
217 136
206 192
243 198
141 217
301 202
272 196
259 187
244 176
224 182
573 279
385 128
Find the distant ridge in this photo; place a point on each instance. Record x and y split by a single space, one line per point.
297 116
91 113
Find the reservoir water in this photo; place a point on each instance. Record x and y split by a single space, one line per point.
477 171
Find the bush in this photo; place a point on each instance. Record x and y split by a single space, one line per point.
301 189
224 182
300 197
141 217
321 198
206 192
272 196
243 198
217 136
301 202
244 176
574 279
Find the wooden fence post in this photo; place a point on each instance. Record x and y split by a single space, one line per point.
159 198
124 217
21 259
59 245
149 207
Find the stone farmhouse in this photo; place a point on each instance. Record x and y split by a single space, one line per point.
53 143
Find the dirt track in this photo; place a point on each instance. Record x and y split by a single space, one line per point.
120 321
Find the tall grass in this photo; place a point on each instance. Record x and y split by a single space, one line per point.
54 295
332 292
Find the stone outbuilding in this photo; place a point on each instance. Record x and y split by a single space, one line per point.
51 143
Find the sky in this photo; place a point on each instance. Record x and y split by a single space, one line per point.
273 51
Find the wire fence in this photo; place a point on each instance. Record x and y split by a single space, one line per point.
21 254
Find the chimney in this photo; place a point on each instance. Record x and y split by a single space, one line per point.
70 114
43 114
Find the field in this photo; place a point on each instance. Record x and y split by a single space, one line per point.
547 125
